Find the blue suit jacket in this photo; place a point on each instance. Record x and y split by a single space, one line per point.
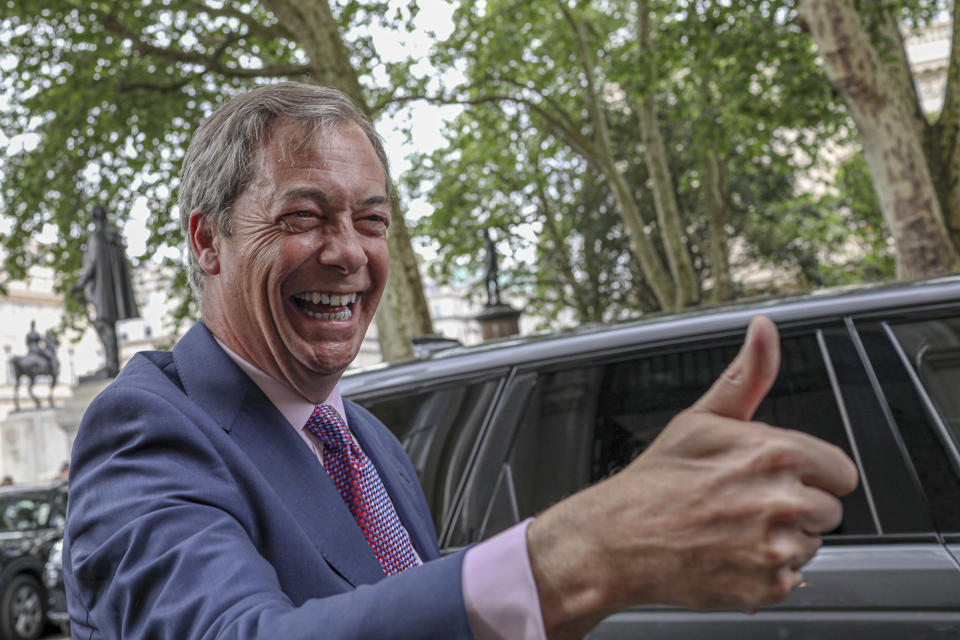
197 512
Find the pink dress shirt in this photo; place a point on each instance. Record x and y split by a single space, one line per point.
499 591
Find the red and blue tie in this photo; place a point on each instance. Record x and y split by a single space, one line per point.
359 483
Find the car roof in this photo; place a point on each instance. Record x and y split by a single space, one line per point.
825 304
28 488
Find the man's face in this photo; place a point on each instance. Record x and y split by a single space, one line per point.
296 284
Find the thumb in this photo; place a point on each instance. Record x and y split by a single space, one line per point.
738 391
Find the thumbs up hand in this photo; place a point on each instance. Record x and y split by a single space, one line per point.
718 513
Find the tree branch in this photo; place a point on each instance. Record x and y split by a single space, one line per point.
950 116
561 120
159 88
592 97
210 63
948 130
560 256
574 138
898 66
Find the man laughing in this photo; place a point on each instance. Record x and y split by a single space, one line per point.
224 489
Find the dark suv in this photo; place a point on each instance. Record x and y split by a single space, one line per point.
500 431
31 521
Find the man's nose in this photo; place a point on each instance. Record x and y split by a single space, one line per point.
343 249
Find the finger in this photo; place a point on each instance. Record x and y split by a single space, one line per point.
822 512
739 390
788 579
792 547
823 465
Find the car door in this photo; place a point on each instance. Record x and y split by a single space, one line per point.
563 426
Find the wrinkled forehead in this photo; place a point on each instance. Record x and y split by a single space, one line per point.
291 144
287 141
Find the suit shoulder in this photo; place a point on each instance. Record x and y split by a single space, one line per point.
152 371
148 364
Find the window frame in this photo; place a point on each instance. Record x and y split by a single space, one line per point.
813 327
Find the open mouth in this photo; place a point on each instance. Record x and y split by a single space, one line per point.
326 306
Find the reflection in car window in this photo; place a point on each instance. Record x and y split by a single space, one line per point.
23 514
438 429
933 348
586 422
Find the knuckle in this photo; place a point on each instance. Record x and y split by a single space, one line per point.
776 454
787 508
778 554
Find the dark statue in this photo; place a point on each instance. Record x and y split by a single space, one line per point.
491 277
105 283
41 360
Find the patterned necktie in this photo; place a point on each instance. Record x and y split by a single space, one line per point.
359 483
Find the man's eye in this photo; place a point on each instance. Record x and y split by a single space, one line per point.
377 221
300 220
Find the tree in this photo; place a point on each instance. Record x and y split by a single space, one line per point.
554 219
111 90
915 163
695 116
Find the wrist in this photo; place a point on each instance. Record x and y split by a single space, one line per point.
570 585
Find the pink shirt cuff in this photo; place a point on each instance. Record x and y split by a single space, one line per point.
498 588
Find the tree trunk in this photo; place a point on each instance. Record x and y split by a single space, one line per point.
403 312
718 246
947 133
581 298
601 154
664 200
885 108
657 276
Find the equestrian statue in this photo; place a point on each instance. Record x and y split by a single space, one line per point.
40 360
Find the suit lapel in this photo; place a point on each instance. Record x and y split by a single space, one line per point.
294 474
403 490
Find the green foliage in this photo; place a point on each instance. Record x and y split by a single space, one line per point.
737 79
102 98
561 242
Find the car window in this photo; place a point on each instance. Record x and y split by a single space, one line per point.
585 422
933 349
23 513
438 429
897 350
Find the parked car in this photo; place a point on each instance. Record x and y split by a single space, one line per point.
498 432
56 593
31 521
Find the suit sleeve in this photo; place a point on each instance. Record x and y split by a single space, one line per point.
160 544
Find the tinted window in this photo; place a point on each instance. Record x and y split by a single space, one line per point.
585 422
933 349
935 467
23 513
438 429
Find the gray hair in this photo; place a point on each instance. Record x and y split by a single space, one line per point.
223 154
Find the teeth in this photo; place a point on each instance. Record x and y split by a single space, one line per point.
343 315
334 300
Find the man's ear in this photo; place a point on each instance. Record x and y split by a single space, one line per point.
202 243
